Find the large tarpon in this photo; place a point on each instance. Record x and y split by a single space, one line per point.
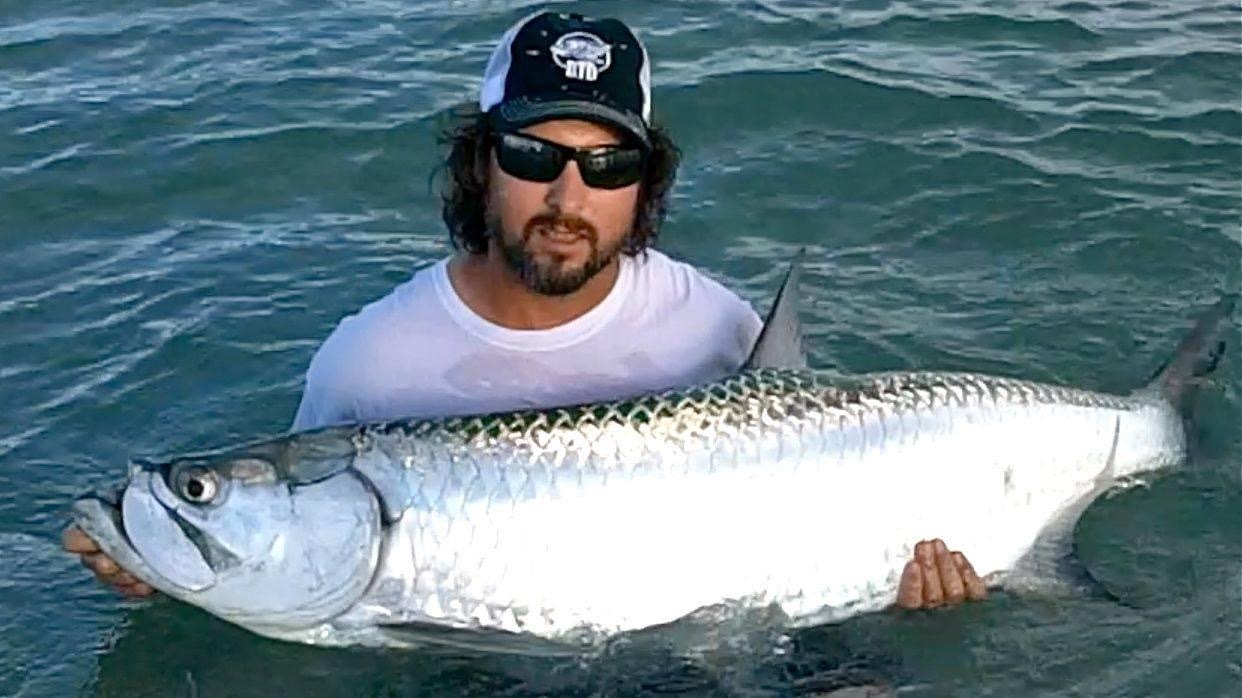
774 486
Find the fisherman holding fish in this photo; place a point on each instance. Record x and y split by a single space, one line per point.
556 188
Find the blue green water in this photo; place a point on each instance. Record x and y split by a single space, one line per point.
192 193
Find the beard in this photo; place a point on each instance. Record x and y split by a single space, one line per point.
550 274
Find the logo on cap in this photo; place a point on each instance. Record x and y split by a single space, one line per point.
582 56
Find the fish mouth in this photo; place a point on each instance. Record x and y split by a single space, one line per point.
100 515
111 496
100 507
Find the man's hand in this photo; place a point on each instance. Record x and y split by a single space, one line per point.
938 577
105 568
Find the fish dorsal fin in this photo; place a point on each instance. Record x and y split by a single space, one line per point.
780 342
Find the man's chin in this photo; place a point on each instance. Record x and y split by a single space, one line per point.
557 281
554 267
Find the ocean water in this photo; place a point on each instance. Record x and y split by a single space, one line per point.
193 193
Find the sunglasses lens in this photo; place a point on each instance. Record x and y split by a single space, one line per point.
535 161
528 159
611 168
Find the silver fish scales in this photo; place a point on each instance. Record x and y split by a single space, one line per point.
624 515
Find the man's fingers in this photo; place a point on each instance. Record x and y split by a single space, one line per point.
89 561
136 590
933 593
910 591
950 579
75 541
938 576
975 588
104 565
106 568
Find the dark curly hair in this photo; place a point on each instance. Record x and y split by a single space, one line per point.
464 191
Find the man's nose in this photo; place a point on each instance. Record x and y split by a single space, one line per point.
568 193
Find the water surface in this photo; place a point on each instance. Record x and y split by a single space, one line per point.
193 193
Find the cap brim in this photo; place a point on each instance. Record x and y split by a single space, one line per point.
519 113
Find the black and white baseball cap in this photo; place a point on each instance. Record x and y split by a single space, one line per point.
562 66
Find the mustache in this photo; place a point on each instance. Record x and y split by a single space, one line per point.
560 223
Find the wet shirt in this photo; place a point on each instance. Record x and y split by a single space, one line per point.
422 352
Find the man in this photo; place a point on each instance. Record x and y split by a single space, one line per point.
557 187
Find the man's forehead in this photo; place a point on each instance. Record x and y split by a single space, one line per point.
575 132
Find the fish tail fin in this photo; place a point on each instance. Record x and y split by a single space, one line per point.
1195 357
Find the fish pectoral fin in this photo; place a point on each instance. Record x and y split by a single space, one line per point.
1052 564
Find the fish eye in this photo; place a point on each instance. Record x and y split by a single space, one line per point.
197 485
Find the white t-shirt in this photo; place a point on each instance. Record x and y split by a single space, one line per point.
421 352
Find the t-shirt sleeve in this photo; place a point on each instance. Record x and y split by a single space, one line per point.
746 326
327 398
316 408
736 325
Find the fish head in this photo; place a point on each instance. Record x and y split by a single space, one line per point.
237 535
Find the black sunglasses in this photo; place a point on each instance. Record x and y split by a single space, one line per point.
537 160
